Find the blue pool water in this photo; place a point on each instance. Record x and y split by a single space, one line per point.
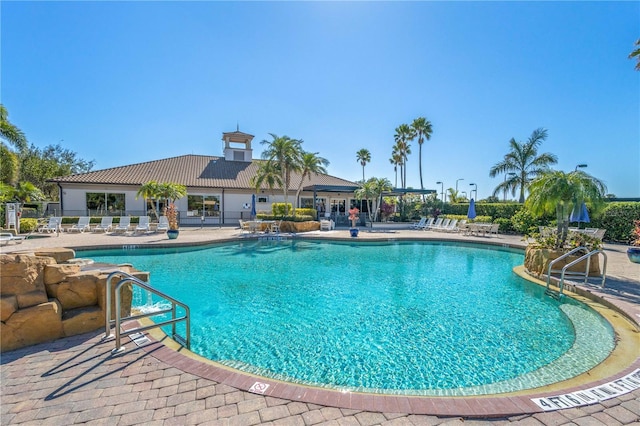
400 317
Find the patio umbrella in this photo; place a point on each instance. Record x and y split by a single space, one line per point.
579 214
471 213
253 206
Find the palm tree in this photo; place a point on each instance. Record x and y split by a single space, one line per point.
423 130
524 161
372 190
454 196
310 164
636 54
560 191
404 134
149 191
396 160
285 157
364 157
11 133
25 192
167 191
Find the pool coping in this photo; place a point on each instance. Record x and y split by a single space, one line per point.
479 406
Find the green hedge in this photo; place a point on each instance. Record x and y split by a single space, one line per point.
296 218
28 225
493 210
617 218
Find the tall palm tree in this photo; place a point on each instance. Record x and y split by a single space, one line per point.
404 134
561 192
371 191
396 160
422 129
149 191
11 133
285 156
636 54
310 164
167 191
524 161
364 157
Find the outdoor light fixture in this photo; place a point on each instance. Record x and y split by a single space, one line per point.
441 191
457 183
472 184
580 166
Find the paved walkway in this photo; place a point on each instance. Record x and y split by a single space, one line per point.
76 381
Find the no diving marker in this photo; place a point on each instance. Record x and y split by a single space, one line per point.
259 388
593 395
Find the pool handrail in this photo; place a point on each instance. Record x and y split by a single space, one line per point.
184 341
586 257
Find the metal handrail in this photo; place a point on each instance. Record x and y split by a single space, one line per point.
554 261
185 341
586 273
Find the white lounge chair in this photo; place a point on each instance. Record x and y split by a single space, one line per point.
419 225
82 225
451 227
52 226
436 224
428 224
7 237
442 225
163 224
123 225
106 224
143 224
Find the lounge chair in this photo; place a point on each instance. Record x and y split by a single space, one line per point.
442 225
123 225
82 225
143 224
436 224
451 227
105 224
418 225
52 226
7 237
163 224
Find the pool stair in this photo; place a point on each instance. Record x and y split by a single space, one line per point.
136 333
565 273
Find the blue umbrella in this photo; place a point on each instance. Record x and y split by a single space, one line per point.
471 213
253 206
579 214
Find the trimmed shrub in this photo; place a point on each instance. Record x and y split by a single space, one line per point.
524 222
617 218
506 227
278 209
28 225
307 212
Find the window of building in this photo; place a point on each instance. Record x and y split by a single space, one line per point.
104 203
203 205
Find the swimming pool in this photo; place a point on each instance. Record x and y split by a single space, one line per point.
420 318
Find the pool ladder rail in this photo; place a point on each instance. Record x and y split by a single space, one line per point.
564 272
128 278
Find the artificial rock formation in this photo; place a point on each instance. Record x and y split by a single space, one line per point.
536 261
43 298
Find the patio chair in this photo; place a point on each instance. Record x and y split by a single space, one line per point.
495 227
244 226
599 234
7 237
275 227
163 224
123 225
420 224
451 227
428 223
82 225
435 225
443 225
105 224
52 226
143 224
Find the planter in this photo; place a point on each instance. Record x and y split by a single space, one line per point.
536 261
354 232
173 234
633 253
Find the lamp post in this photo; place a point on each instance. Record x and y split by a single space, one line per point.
464 193
580 166
504 192
441 192
476 189
457 183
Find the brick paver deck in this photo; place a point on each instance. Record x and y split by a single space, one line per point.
76 380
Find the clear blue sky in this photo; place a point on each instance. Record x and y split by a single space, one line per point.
128 82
